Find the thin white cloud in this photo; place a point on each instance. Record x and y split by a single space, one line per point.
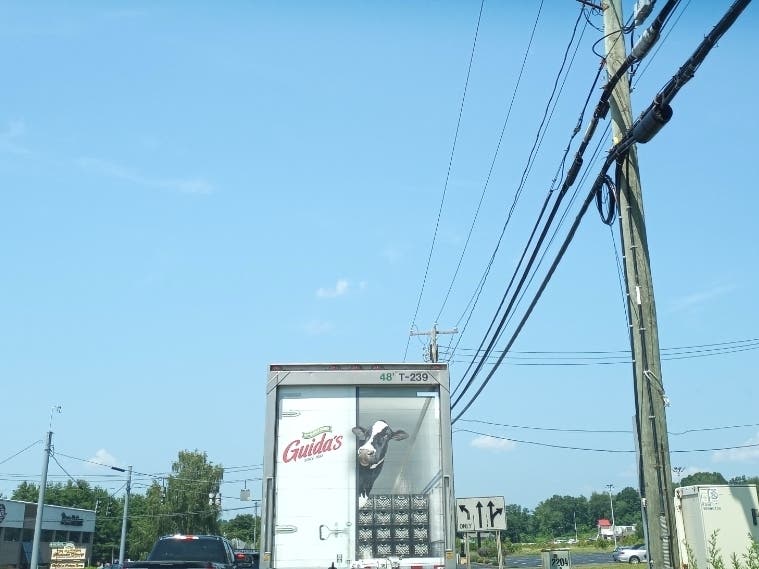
103 458
114 170
391 255
701 297
493 444
750 453
10 136
318 327
341 288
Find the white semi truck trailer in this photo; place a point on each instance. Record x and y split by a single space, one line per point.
706 514
358 470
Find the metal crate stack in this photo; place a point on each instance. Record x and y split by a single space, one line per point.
394 524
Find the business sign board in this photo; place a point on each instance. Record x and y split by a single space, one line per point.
68 553
480 514
68 519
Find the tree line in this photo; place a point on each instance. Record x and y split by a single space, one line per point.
179 503
183 503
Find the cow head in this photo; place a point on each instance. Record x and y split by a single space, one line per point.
373 443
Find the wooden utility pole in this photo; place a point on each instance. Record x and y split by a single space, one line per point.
433 339
650 401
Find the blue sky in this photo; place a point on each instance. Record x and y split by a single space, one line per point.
191 191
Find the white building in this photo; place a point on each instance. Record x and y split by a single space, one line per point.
607 531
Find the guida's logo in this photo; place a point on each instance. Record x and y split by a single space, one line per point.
308 447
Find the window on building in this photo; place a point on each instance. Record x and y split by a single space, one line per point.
12 534
47 535
75 536
28 535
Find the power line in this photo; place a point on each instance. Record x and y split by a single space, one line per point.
525 172
490 170
606 431
23 450
610 451
553 358
447 177
657 115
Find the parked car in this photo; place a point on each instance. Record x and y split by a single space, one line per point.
632 554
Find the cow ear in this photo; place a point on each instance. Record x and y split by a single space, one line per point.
399 435
359 431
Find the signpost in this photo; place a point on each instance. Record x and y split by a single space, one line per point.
475 515
480 514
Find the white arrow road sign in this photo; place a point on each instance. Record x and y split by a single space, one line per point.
480 514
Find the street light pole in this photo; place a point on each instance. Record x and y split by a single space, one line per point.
574 518
34 561
613 523
122 547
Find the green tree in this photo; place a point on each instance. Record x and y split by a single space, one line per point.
26 492
108 521
627 507
193 494
703 478
79 494
244 527
148 520
555 516
518 523
743 480
599 508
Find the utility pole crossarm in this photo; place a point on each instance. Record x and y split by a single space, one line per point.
433 339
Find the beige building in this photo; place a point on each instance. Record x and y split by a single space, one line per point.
60 526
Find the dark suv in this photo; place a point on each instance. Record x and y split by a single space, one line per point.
205 550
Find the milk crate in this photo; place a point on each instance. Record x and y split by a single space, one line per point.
420 533
419 501
383 549
401 502
420 517
382 533
401 548
365 517
382 502
401 518
365 534
401 533
419 549
382 517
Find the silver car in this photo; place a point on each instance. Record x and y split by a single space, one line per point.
632 554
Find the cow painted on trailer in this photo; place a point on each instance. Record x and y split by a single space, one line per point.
372 447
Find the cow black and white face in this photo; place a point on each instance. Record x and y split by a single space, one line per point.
373 442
